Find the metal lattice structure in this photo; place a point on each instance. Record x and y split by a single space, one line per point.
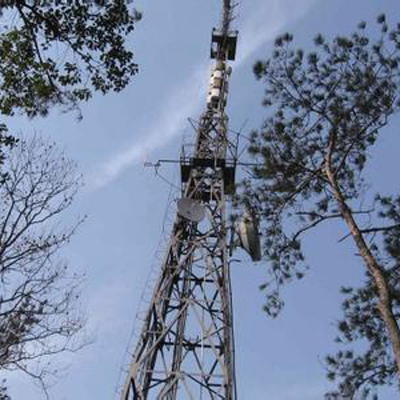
186 349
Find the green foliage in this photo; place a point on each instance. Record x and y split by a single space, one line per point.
327 109
6 141
59 52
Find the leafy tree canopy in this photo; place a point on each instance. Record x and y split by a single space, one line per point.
60 52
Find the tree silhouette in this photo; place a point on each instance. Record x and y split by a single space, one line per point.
39 297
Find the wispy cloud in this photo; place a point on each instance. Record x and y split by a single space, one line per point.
181 103
267 20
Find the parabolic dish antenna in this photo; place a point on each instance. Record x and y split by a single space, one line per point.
191 210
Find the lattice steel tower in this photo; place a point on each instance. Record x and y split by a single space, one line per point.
186 350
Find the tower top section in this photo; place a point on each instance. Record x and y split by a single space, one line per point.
227 16
223 39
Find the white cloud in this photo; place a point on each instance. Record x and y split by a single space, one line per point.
260 27
183 102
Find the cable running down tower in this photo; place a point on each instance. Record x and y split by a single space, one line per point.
186 349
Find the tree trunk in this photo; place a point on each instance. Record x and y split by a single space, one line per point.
385 300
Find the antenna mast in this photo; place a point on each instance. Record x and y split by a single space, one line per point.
186 349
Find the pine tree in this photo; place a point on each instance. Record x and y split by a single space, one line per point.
327 109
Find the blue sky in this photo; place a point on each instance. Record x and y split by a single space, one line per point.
121 242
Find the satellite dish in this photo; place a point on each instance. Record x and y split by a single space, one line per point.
249 235
191 209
